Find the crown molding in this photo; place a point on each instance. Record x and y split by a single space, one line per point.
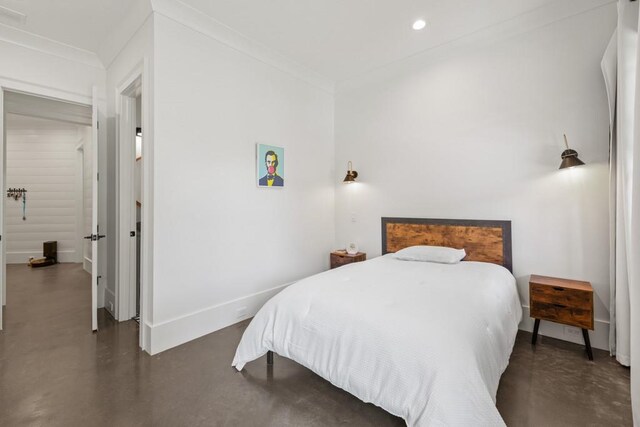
198 21
530 21
121 35
48 46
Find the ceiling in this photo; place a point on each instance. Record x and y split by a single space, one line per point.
340 39
337 39
84 24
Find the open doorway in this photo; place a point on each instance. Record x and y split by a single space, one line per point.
49 209
137 191
134 203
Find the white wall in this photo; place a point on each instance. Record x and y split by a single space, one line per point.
41 157
222 245
476 132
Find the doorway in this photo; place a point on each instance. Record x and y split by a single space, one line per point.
137 192
49 161
134 220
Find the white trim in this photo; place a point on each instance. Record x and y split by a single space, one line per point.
208 26
109 299
182 329
48 46
16 85
145 333
79 252
3 180
95 213
136 82
599 336
146 244
86 264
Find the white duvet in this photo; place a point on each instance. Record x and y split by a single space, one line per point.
427 342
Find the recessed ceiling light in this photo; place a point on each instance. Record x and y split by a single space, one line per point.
419 24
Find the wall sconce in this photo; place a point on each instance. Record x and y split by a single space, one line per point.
569 157
351 175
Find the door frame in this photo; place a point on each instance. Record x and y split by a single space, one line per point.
12 85
3 177
135 84
80 204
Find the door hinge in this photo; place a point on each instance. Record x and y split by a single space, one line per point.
98 176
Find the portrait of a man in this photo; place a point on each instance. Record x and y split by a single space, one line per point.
270 166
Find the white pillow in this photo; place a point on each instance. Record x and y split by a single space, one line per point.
439 254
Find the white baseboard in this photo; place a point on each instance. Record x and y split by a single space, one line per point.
23 257
101 292
146 344
171 333
86 264
599 337
110 301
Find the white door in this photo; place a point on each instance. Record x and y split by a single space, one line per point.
95 229
3 291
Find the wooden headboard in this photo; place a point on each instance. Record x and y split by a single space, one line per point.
486 241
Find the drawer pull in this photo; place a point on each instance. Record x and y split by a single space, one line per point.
560 306
555 288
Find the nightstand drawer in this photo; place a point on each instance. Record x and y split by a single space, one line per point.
572 298
563 301
340 258
561 313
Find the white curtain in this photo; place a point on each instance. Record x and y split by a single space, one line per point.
621 351
620 67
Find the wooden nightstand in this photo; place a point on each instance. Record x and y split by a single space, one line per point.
341 257
569 302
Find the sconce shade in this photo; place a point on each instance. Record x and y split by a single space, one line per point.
569 157
351 175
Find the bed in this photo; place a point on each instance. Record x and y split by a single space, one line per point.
426 342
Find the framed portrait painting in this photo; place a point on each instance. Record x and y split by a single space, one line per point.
270 166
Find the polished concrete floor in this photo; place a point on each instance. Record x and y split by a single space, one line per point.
55 372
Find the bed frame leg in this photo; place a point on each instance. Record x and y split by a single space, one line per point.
269 357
